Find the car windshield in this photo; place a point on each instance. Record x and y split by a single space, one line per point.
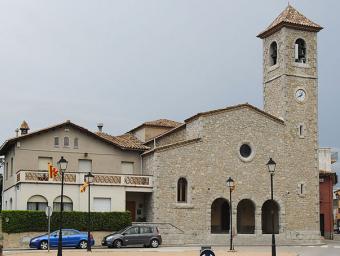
120 231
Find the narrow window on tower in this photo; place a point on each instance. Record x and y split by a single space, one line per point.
273 53
301 189
300 51
301 131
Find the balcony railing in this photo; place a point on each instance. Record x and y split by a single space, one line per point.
37 176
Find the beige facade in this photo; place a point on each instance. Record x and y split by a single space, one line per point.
117 172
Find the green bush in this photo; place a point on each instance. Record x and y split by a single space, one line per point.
36 221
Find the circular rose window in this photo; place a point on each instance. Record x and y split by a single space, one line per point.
246 152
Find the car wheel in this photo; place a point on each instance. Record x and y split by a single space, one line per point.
43 245
117 244
154 243
83 244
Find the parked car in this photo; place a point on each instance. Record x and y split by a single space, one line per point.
134 235
71 238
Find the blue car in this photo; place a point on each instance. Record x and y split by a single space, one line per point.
71 238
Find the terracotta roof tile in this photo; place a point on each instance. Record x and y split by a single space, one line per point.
125 141
290 17
158 123
163 123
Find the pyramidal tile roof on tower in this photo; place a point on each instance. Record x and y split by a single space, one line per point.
290 17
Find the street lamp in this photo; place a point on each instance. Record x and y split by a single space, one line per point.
89 179
271 168
62 164
231 186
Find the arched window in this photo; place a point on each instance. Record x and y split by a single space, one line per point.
220 216
273 53
246 217
182 187
37 203
270 213
67 202
300 51
11 204
66 141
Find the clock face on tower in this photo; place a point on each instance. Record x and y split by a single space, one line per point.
300 95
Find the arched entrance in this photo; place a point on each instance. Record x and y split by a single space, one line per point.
220 217
268 208
246 217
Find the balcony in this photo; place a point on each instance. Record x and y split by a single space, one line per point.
100 179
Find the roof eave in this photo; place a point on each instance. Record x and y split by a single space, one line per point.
276 28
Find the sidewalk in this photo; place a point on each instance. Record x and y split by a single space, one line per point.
148 252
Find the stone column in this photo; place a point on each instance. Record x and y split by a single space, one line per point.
258 222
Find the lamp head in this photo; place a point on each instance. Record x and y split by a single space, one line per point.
89 177
62 164
271 166
230 182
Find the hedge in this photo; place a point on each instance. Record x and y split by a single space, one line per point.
36 221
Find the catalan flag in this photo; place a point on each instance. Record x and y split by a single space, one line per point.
83 187
52 171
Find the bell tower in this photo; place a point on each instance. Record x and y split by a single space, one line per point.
290 81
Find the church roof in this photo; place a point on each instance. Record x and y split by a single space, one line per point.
166 123
235 107
290 17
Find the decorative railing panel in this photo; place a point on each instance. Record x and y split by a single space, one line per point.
78 178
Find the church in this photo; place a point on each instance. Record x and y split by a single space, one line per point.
192 163
175 174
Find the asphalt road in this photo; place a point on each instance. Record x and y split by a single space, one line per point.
331 248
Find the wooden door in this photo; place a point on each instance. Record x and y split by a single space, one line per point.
131 207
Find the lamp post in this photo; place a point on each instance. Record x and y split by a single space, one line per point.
62 164
89 179
271 168
230 184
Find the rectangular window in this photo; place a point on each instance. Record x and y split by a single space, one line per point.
84 165
43 163
102 204
11 166
127 167
66 141
56 142
75 144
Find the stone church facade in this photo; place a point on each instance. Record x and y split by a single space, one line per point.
192 162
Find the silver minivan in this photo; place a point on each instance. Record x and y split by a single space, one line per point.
145 235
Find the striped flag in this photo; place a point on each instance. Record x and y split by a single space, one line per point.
52 171
83 187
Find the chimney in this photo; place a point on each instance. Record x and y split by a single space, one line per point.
16 132
100 127
24 128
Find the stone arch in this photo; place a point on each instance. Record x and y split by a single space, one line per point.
246 217
220 216
270 210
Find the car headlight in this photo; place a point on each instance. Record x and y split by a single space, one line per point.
109 238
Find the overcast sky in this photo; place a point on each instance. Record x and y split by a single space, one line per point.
125 62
